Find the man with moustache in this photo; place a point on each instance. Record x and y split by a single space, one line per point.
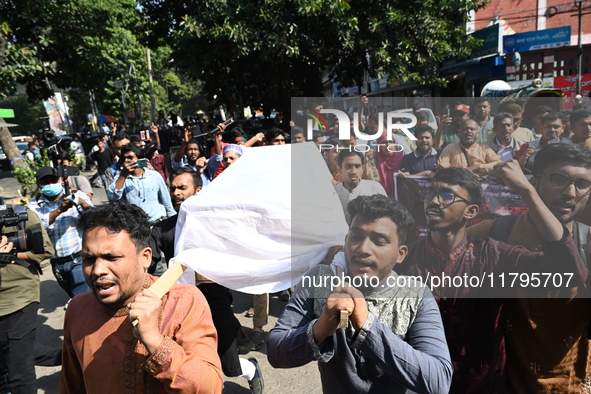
423 160
351 165
172 348
552 130
562 179
468 153
189 154
472 319
580 124
503 142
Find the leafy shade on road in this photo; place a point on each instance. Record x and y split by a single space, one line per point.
257 50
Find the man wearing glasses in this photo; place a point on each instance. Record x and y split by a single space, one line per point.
550 334
472 311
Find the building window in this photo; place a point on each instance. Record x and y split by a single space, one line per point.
585 59
570 62
562 63
517 77
555 73
540 65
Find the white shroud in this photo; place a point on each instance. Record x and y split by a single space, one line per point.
263 222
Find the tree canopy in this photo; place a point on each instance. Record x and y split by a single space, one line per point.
270 50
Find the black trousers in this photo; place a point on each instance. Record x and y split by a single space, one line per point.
227 325
20 352
17 343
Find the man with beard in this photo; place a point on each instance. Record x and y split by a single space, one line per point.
423 160
172 348
552 129
185 183
232 152
351 165
467 153
503 142
189 152
562 178
580 124
481 108
473 320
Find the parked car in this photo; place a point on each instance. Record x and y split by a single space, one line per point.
4 162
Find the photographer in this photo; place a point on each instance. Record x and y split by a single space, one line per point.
140 186
19 301
59 213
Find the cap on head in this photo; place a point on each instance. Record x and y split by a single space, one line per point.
43 172
462 108
233 148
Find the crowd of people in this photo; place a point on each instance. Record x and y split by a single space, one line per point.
398 338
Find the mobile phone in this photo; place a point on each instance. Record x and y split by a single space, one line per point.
142 163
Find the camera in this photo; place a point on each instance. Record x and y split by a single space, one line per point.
30 239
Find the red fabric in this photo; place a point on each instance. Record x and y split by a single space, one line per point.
160 166
221 167
387 164
473 322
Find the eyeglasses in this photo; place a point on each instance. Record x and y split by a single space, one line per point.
561 181
445 198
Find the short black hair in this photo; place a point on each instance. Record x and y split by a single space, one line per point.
500 117
463 178
121 136
578 155
346 153
296 130
316 134
132 148
32 143
334 141
542 109
479 100
380 206
197 181
134 138
578 115
422 128
422 116
551 117
118 216
272 133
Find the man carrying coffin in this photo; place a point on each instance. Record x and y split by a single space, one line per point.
394 342
173 346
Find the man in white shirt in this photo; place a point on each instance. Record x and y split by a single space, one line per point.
502 140
351 165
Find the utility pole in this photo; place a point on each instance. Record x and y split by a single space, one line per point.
152 99
580 44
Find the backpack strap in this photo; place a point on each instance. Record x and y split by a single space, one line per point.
580 232
501 227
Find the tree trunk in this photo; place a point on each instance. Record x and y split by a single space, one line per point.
9 146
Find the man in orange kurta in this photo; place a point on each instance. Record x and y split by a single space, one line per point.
173 346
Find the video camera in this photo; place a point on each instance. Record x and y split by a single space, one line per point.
30 239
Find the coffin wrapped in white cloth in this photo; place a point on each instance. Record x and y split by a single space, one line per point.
261 224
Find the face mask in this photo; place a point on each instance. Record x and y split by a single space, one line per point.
35 151
52 190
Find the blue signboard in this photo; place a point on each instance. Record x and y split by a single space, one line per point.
491 37
541 39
